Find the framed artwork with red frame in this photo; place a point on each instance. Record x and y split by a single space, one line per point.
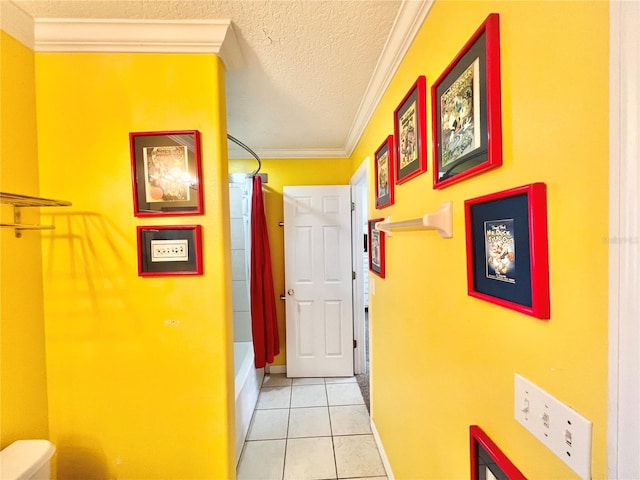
166 173
466 117
376 248
410 132
507 249
385 173
169 250
487 460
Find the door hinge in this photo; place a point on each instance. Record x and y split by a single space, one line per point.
355 343
353 206
353 275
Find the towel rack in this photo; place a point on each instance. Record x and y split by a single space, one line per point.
19 201
440 220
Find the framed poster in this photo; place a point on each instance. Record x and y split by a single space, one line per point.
166 173
487 460
169 250
507 249
376 249
410 133
385 177
466 118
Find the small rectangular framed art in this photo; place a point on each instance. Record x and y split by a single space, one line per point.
169 250
376 249
466 109
507 249
488 462
166 173
410 133
385 178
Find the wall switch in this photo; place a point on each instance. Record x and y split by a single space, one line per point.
560 428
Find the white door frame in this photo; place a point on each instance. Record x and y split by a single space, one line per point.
623 436
358 182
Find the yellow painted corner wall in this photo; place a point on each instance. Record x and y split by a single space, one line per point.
23 383
140 369
441 360
281 173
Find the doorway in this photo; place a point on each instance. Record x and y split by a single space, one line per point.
359 198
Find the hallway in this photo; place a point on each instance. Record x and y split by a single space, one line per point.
310 429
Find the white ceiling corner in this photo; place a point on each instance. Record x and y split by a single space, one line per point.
128 35
16 23
302 77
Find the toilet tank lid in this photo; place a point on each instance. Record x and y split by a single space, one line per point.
23 458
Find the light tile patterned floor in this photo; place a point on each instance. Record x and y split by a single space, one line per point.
310 429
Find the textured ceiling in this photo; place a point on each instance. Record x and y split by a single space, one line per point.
307 64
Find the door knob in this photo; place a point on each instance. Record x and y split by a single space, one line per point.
290 292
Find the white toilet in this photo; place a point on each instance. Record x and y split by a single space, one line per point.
27 460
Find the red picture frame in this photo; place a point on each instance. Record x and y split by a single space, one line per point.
166 173
410 132
384 160
487 458
168 250
376 248
507 249
466 109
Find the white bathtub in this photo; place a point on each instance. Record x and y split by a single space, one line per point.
248 381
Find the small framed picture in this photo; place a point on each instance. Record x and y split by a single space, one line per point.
385 177
410 133
169 250
376 249
507 249
466 118
487 460
166 173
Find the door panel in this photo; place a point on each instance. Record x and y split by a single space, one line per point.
317 224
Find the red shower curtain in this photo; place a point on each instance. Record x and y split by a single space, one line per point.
264 324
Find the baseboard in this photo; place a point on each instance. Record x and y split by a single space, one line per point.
383 454
276 369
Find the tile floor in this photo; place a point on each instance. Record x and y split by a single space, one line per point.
310 429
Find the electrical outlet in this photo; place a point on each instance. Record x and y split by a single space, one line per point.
560 428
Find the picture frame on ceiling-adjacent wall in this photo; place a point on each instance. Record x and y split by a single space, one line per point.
384 159
466 117
410 133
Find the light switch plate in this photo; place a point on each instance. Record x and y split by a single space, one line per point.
560 428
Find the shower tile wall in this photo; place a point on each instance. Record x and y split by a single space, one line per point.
238 207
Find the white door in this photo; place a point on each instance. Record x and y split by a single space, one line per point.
317 237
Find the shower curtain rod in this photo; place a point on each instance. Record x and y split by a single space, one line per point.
238 142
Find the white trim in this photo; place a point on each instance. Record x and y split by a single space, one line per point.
357 232
383 454
16 23
139 36
407 24
623 435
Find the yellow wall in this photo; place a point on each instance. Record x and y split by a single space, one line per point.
23 384
285 172
130 394
442 360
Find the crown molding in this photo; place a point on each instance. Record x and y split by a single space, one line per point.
139 36
408 22
237 153
16 23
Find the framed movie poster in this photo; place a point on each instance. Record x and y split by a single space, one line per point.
376 249
169 250
466 118
166 173
410 133
384 170
488 462
507 249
